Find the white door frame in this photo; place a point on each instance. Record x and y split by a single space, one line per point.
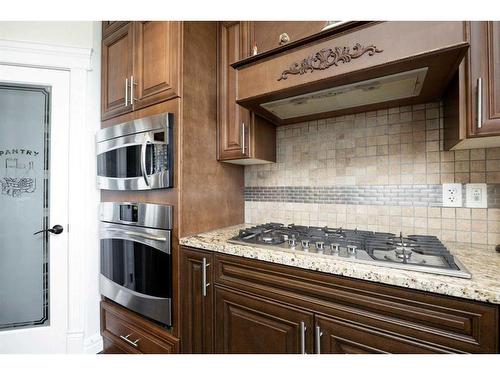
83 194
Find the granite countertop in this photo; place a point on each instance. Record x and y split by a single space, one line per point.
481 260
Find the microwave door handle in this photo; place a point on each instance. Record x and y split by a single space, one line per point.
143 161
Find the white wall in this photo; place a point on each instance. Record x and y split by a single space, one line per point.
73 34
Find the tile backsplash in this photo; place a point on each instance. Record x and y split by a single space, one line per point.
380 170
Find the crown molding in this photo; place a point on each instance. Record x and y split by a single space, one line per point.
44 55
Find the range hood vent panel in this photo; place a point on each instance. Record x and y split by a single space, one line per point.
382 89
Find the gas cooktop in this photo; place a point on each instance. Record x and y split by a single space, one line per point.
413 252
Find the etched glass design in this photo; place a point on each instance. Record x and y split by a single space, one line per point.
24 205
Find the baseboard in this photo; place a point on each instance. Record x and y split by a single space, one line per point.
93 344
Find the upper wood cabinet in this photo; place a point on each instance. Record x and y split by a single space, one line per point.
266 34
472 103
140 65
117 68
485 76
243 138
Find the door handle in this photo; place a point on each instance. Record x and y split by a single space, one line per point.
126 92
318 339
479 99
56 229
204 283
303 329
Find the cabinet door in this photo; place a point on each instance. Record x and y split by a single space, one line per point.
266 34
485 78
116 67
197 301
156 65
109 27
246 324
233 120
336 336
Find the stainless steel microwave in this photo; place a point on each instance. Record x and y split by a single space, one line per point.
136 260
136 155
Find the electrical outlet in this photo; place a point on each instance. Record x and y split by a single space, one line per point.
452 195
476 195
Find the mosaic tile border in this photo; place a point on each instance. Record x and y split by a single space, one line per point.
394 195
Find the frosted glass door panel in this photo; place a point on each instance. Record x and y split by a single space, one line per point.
24 202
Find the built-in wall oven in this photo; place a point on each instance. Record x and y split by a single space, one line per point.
136 260
136 155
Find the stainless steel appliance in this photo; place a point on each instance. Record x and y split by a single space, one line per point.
136 260
414 252
136 155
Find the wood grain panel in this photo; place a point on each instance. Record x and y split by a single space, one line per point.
212 192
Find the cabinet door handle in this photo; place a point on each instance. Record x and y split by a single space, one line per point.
479 98
126 92
133 343
204 283
303 329
132 84
318 339
243 138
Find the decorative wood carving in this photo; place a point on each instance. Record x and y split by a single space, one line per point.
328 57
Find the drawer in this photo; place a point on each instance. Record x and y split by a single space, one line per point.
455 324
134 334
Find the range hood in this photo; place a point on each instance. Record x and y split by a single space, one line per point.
359 66
379 90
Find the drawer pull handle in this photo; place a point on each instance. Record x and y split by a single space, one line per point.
133 343
303 329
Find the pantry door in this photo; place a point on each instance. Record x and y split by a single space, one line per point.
34 134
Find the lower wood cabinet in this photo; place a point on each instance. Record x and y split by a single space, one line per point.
126 332
250 325
261 307
197 301
334 336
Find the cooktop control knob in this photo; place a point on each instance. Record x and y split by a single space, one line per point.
351 250
305 245
292 242
320 246
334 247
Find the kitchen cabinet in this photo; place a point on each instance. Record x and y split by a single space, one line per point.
336 336
140 65
197 293
247 324
267 34
243 137
261 307
472 103
126 332
117 68
109 27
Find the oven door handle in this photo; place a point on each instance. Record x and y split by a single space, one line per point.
135 234
143 160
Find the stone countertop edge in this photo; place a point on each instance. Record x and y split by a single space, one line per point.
481 260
